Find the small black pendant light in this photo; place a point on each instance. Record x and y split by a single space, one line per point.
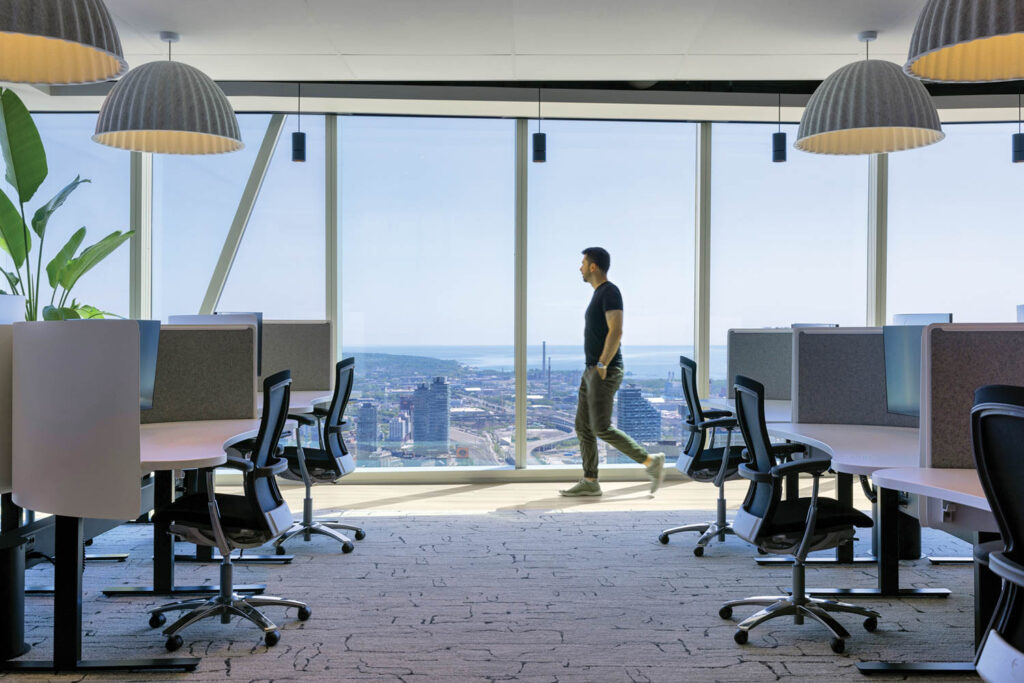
540 140
298 137
1018 138
779 139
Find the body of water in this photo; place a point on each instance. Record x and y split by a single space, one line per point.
642 362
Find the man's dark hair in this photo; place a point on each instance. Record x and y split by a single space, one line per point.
599 257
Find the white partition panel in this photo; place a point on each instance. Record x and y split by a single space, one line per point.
75 419
6 351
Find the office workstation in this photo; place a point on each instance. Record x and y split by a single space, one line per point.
332 255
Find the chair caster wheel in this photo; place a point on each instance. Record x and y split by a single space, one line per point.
347 548
740 637
173 643
837 645
157 620
304 613
360 535
271 638
663 538
870 624
698 551
726 613
279 550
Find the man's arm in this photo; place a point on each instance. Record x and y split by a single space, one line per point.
611 342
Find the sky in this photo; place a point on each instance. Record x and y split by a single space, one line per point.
427 223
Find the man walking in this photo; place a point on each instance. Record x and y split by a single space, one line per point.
601 379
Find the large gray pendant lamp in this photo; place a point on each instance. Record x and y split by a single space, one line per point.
58 42
868 107
168 108
968 41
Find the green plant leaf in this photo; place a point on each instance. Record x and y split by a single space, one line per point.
87 312
12 280
22 149
54 313
55 268
43 213
13 231
90 256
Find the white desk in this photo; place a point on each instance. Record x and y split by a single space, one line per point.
861 450
774 410
299 402
169 446
963 487
856 449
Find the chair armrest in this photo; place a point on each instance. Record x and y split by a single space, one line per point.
723 422
753 475
304 419
815 466
334 429
1005 568
236 462
275 466
713 414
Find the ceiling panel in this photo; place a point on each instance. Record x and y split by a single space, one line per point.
431 67
596 67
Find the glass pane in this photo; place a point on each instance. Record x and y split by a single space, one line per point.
102 206
194 202
427 237
788 240
280 267
627 187
954 240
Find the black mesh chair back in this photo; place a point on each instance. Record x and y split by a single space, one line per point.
688 375
260 484
997 428
344 376
763 496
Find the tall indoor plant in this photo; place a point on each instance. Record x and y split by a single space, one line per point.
25 161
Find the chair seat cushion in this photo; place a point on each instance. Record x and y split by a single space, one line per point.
192 510
706 466
791 516
321 465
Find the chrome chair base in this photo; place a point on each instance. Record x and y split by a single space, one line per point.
225 607
817 609
708 531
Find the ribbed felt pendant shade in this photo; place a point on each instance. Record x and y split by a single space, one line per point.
868 107
968 41
58 42
168 108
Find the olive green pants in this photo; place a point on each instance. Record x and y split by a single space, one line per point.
594 419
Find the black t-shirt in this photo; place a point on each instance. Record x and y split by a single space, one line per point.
606 298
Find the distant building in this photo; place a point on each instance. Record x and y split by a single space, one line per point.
637 417
366 428
398 429
430 421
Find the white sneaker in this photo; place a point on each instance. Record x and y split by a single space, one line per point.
656 470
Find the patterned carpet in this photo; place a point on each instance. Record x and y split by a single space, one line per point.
530 596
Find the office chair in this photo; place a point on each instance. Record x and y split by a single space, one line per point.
324 465
703 464
997 430
229 522
788 527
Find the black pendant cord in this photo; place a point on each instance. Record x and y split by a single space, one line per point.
780 112
298 113
867 50
168 50
538 110
1018 112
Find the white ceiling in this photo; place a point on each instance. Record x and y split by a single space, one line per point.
503 40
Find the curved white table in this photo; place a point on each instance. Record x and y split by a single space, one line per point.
861 450
775 410
299 402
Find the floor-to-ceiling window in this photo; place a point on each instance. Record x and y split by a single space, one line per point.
954 236
627 187
279 268
101 206
426 250
788 240
194 203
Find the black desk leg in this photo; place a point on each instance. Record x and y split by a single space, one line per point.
888 560
843 553
163 555
10 514
67 615
987 587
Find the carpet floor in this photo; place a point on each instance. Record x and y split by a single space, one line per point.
514 595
